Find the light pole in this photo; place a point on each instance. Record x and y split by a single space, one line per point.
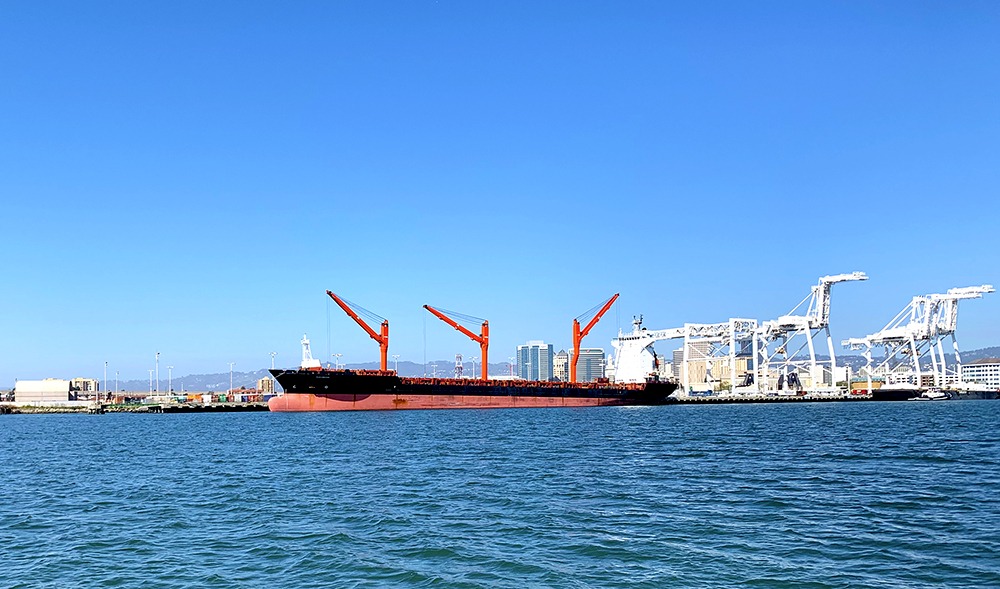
170 380
511 358
395 360
151 381
116 383
273 354
157 373
231 364
105 380
473 361
337 356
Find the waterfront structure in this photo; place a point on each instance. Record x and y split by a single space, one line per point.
534 360
985 372
42 391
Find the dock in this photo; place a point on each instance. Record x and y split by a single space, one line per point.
737 398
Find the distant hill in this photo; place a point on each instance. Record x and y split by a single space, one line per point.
220 381
992 352
198 382
856 362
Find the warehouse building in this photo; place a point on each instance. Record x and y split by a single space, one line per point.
49 390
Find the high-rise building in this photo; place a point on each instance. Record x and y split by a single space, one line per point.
534 360
590 365
560 366
678 363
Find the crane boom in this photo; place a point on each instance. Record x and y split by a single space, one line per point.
382 338
579 334
483 338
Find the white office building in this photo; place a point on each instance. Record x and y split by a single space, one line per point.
985 372
534 360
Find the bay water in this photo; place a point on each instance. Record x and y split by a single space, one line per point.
790 495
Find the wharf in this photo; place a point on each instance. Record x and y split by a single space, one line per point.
134 408
738 398
188 408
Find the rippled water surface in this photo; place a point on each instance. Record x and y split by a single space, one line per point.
810 495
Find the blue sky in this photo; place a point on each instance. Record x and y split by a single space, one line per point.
190 178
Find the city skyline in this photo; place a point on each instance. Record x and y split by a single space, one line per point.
191 180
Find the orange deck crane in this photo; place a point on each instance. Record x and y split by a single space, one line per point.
579 334
382 338
483 338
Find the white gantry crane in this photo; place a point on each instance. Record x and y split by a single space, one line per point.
708 344
912 341
788 331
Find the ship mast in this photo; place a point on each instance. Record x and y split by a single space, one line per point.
483 339
382 338
579 334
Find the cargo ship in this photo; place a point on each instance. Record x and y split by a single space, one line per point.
312 387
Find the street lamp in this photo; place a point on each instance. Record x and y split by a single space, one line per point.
231 364
273 354
105 379
170 380
157 373
337 356
511 358
150 381
473 361
116 383
395 360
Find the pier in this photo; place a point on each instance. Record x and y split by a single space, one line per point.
763 398
100 409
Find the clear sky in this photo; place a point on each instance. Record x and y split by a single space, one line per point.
190 177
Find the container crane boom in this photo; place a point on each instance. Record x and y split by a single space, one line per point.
382 338
483 339
579 334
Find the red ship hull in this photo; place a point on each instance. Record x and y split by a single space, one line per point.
334 402
349 390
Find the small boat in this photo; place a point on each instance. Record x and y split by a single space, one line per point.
932 395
